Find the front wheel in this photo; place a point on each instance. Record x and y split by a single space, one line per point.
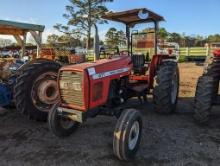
127 134
61 125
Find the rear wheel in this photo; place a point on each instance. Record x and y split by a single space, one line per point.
166 90
127 134
204 99
215 99
213 70
36 89
60 125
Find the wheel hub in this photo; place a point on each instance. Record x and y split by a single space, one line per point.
44 91
66 123
134 135
47 91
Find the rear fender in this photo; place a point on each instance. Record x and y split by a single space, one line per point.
155 63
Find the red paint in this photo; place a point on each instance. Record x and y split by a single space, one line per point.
155 62
139 78
100 66
216 52
107 65
170 51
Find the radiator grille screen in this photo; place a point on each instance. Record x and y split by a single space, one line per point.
71 88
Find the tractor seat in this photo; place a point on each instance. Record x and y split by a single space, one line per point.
138 64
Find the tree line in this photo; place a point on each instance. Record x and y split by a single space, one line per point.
82 15
188 40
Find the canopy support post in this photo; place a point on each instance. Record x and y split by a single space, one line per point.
156 29
38 39
128 38
18 39
23 44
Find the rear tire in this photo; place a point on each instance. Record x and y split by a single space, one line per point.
203 99
127 134
213 70
59 125
166 90
26 91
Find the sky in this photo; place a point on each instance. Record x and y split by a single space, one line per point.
182 16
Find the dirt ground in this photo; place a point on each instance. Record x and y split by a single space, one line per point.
166 140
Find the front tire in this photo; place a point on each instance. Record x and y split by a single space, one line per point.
166 90
127 134
60 125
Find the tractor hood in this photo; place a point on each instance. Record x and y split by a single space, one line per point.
100 65
85 86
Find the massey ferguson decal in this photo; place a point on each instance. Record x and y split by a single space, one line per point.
110 73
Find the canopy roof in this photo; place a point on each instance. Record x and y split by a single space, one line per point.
17 28
131 17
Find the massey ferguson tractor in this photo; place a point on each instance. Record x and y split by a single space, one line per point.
207 92
103 87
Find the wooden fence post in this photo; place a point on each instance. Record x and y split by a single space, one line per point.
187 51
207 51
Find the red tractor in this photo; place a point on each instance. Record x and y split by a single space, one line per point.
103 87
207 92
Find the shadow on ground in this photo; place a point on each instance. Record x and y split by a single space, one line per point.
166 140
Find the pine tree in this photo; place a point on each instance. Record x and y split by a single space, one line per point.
81 16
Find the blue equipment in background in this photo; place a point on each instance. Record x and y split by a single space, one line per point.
6 94
6 87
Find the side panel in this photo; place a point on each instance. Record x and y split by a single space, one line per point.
100 81
95 82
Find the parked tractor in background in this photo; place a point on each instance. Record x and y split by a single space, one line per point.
63 55
40 83
207 91
215 45
103 87
36 88
169 48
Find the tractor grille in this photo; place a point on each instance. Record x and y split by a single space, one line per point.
71 88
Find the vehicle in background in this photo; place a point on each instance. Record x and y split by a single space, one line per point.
170 48
215 45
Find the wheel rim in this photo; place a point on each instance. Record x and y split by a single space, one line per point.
66 123
44 91
174 89
134 135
